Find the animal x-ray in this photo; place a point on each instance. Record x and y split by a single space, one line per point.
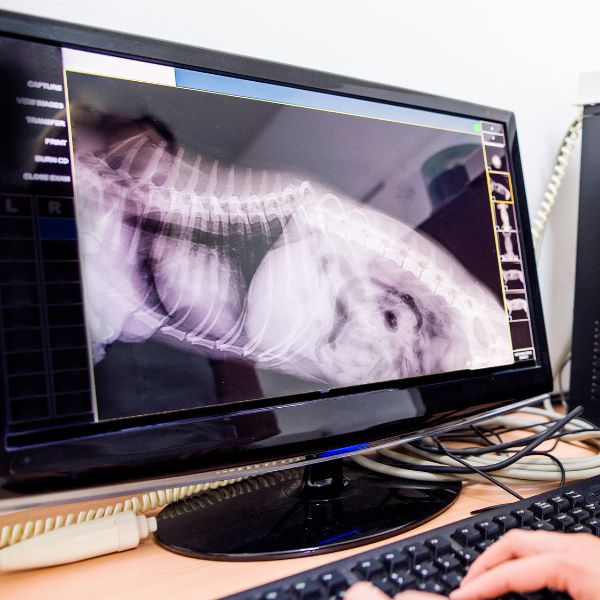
279 238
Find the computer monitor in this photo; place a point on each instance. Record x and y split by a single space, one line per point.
209 261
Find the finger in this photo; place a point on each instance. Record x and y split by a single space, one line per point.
414 595
363 590
527 574
517 544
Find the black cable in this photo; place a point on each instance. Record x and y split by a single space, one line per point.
457 435
542 437
480 451
561 390
554 459
516 443
476 451
478 471
489 432
482 435
563 477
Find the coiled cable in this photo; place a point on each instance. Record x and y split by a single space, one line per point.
11 534
557 175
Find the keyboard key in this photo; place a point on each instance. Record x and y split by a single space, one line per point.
579 528
542 526
407 581
395 561
579 514
542 510
593 508
447 564
467 536
367 569
506 522
575 499
452 580
333 582
489 530
524 516
426 570
418 553
432 587
386 585
484 545
560 504
562 522
438 545
466 557
307 590
594 525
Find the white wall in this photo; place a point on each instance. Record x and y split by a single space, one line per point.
518 55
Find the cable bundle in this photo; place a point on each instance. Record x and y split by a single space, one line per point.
488 455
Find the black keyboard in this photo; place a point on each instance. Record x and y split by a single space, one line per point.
437 560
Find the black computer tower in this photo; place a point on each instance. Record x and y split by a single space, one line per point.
585 368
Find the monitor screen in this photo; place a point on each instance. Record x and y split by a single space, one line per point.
180 241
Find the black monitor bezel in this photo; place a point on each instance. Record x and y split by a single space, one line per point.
104 454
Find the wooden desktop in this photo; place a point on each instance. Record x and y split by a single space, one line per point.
150 572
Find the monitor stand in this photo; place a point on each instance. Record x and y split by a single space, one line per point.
296 512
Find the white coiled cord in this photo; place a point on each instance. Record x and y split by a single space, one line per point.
11 534
559 169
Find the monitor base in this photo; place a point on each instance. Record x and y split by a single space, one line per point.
298 512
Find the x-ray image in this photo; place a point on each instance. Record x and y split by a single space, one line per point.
496 158
215 226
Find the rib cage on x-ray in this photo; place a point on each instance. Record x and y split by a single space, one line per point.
269 268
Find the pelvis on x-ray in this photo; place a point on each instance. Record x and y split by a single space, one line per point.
270 268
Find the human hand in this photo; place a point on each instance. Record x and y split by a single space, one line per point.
526 561
521 561
366 591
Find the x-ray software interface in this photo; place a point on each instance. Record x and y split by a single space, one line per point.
195 231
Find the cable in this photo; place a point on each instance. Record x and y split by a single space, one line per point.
557 175
557 461
12 534
122 531
502 464
483 474
540 221
558 377
420 460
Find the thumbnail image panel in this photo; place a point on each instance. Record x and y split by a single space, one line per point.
500 187
521 335
509 247
496 158
505 217
517 306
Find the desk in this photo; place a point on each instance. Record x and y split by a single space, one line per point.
150 572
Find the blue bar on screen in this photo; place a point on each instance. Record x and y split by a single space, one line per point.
209 82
